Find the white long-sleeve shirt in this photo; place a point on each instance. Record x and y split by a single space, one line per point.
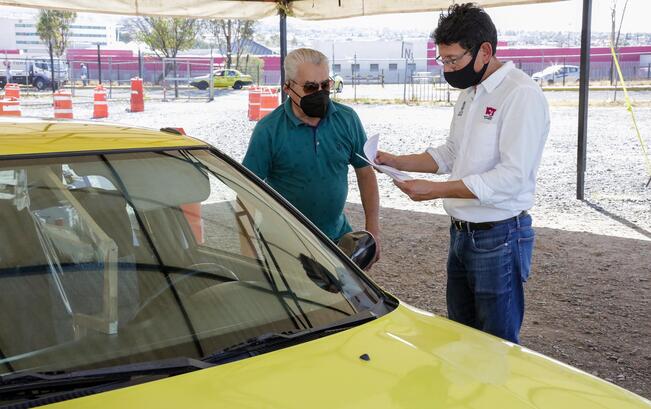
495 145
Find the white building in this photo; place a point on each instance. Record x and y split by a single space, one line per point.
19 33
372 58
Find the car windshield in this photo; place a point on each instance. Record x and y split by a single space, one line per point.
131 257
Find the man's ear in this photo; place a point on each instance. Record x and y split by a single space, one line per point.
486 52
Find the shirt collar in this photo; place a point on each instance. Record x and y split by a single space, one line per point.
497 77
287 105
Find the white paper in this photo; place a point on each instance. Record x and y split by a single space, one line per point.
370 150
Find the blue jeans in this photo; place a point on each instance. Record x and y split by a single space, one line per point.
486 273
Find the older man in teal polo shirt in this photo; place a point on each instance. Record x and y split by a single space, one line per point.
303 149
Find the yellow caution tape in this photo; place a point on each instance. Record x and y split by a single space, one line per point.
629 108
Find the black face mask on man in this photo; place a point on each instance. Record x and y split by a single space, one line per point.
466 77
314 105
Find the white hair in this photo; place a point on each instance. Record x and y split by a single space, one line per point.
300 56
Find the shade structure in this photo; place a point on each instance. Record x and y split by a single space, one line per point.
254 9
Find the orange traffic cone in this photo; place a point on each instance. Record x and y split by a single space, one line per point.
9 107
254 104
268 102
12 91
63 104
137 95
100 108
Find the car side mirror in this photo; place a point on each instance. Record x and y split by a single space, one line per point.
360 246
319 274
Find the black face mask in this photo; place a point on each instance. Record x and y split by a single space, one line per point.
314 105
466 77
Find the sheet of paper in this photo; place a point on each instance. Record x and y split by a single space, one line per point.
370 150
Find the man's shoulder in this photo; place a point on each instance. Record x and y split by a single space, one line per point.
520 80
345 111
272 121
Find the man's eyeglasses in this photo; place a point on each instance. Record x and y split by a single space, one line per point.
451 61
311 87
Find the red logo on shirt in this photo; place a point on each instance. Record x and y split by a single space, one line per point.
490 111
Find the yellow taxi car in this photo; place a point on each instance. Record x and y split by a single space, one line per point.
227 78
146 269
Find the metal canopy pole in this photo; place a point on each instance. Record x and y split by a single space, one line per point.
583 99
283 50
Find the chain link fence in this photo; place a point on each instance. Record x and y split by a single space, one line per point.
164 78
402 80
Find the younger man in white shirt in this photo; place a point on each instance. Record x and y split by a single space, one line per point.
497 135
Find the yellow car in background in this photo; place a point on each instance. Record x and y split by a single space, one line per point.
337 83
146 269
226 78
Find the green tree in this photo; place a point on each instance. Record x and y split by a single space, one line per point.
614 36
166 36
252 65
53 27
231 36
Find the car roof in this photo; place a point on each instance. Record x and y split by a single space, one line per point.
35 137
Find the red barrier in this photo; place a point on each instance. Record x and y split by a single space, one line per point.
100 107
10 107
137 95
63 104
254 104
268 102
12 91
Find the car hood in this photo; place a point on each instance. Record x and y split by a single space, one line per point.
415 360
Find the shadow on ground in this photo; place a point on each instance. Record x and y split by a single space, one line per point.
588 297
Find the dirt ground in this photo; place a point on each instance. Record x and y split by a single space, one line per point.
587 299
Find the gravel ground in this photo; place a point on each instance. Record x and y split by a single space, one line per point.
589 297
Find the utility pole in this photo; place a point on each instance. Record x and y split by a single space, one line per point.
99 64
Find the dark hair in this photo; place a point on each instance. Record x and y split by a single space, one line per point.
466 24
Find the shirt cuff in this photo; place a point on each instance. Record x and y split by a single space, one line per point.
442 166
481 190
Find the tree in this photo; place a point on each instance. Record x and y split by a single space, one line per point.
614 34
166 36
252 65
53 27
231 35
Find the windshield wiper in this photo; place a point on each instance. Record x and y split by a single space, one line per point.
22 382
275 340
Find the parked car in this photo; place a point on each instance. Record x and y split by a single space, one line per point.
338 83
554 75
146 269
227 78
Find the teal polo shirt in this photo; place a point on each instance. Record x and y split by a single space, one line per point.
308 165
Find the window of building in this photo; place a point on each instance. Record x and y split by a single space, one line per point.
354 67
336 67
393 67
375 67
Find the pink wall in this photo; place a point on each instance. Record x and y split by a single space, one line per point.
555 55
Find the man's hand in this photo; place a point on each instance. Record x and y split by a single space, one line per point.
419 189
370 196
385 158
378 248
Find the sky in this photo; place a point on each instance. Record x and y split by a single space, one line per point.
560 16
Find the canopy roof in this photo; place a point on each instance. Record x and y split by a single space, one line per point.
253 9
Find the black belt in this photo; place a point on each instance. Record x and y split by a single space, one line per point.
470 226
